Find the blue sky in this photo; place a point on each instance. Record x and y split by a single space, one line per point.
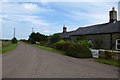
49 17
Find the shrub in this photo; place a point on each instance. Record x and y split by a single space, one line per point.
54 38
43 43
78 51
66 44
59 45
14 40
85 43
73 49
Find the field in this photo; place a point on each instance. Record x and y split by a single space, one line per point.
6 46
6 43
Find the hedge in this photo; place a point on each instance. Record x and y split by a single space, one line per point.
73 49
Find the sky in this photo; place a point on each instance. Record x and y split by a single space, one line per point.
48 17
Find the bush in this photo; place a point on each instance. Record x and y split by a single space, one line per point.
73 49
85 43
78 51
54 38
43 43
14 40
59 45
66 44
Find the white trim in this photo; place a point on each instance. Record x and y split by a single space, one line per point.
117 44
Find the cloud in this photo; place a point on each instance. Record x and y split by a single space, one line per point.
31 7
60 0
88 13
13 8
35 20
46 31
48 17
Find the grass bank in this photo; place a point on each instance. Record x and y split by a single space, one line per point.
109 62
49 49
8 48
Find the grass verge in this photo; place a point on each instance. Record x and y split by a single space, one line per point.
49 49
8 48
109 61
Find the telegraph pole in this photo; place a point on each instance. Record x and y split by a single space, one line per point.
14 32
32 30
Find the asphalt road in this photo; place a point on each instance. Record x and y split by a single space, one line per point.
29 62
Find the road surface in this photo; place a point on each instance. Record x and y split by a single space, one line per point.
30 62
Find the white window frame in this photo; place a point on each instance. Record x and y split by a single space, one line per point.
117 44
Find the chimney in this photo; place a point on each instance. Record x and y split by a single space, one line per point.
64 29
113 15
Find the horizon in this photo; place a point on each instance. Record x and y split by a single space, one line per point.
49 17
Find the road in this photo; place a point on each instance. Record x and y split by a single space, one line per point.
30 62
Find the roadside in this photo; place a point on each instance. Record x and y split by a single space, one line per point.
49 49
7 46
108 62
99 60
30 62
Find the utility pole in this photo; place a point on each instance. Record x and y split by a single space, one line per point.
14 32
32 30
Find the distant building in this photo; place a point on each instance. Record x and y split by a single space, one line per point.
103 36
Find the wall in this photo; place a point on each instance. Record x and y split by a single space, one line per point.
114 37
102 41
108 54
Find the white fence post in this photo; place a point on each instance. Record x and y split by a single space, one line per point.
95 53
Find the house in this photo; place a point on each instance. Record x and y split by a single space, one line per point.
103 36
65 34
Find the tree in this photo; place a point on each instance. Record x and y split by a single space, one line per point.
14 40
32 38
54 38
37 37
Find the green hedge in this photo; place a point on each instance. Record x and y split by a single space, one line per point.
73 49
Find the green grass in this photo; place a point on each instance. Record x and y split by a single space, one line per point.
109 61
49 49
8 48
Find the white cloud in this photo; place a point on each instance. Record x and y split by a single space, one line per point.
31 7
91 13
23 8
35 20
46 31
60 0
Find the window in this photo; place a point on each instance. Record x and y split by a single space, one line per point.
118 44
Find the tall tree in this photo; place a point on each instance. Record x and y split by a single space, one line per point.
37 37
